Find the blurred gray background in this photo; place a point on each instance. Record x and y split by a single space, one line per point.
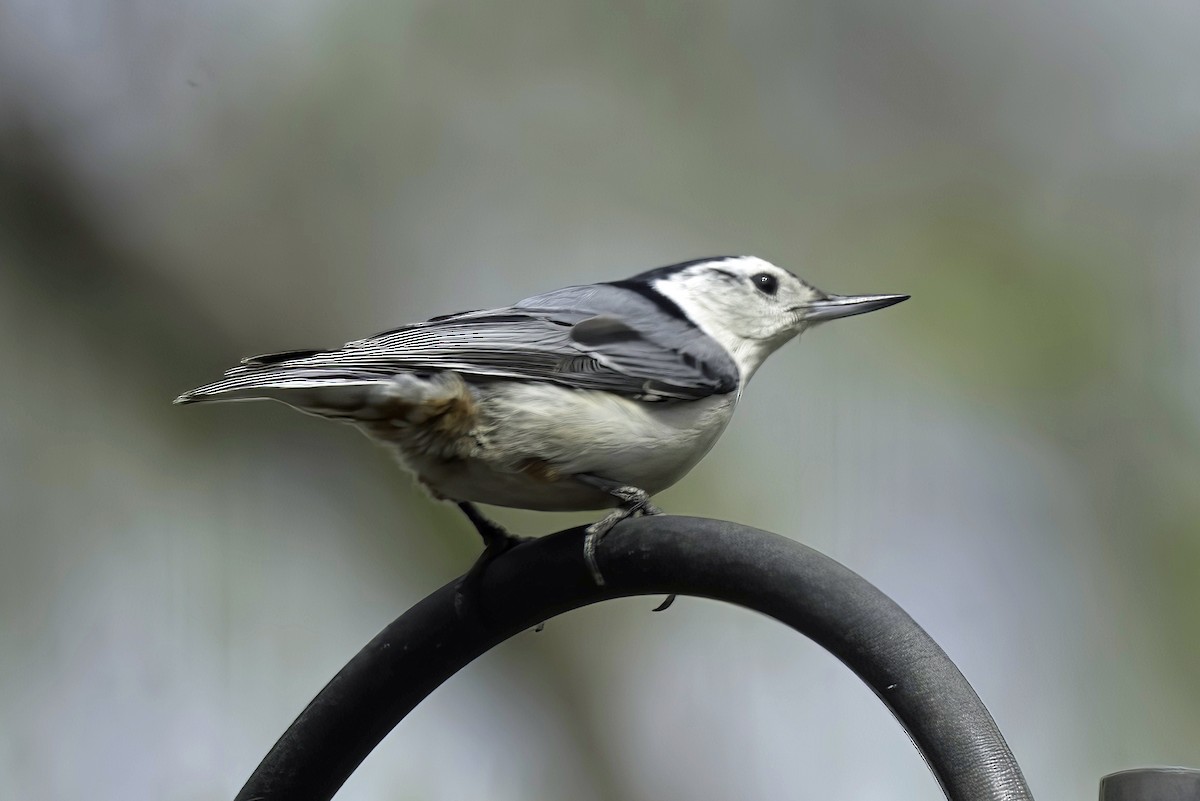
1014 454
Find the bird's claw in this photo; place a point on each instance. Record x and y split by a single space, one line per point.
634 502
466 593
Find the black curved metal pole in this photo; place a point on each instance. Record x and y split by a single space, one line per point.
1151 784
542 578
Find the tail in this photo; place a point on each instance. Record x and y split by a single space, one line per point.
347 394
285 377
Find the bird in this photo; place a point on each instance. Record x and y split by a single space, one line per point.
584 398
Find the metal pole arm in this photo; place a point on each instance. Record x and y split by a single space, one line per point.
542 578
1151 784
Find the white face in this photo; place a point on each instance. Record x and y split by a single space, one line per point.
748 305
752 307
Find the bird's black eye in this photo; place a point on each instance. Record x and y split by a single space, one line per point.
765 283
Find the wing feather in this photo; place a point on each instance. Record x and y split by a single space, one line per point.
579 344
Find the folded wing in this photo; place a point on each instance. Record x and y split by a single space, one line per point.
599 337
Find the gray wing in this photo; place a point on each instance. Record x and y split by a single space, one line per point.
601 337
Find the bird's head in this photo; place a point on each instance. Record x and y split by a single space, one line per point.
751 306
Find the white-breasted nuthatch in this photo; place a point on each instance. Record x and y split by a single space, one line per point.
582 398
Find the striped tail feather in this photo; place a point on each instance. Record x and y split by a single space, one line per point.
309 388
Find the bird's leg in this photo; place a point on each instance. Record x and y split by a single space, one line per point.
495 542
493 534
631 501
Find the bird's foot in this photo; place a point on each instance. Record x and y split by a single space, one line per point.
633 502
496 541
467 593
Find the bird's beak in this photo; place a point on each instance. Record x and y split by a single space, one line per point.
835 306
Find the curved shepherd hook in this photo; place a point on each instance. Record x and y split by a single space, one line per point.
545 577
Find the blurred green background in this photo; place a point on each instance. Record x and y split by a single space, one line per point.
1014 454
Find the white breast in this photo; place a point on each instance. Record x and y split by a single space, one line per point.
532 437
